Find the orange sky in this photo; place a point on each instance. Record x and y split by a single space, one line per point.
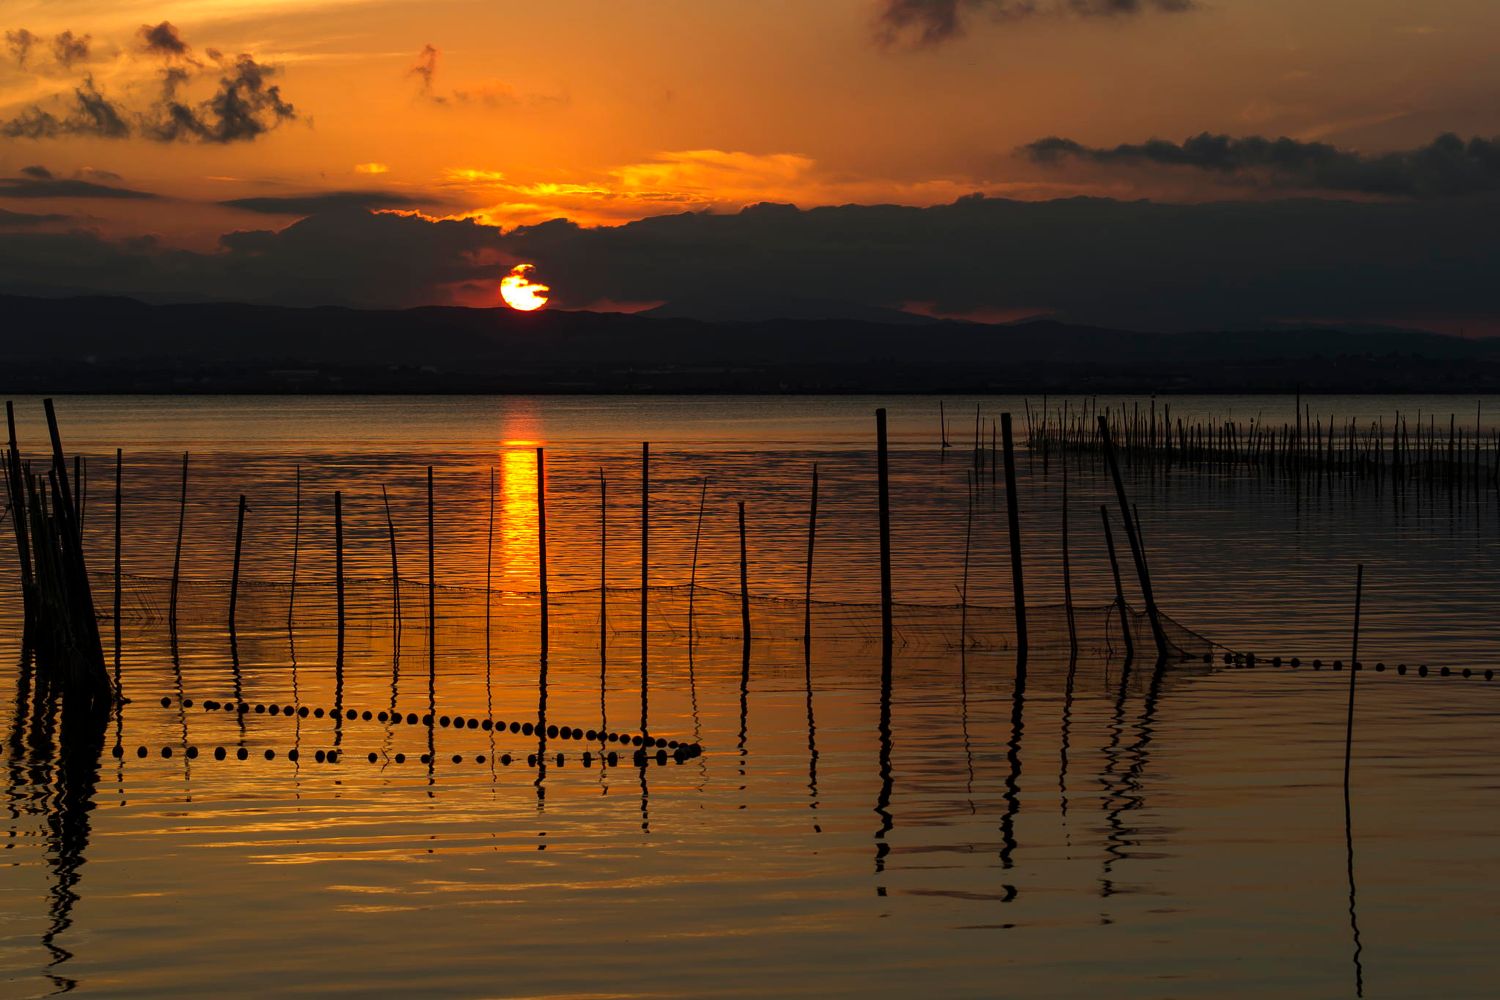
610 112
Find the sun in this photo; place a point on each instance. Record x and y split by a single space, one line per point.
520 292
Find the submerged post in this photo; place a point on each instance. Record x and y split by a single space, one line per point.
604 559
1139 558
1067 565
234 577
645 549
119 521
1013 522
883 476
697 536
1114 569
177 552
291 600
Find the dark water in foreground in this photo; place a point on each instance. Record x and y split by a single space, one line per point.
947 829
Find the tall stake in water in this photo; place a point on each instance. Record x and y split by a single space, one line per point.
177 552
1013 522
812 533
882 472
697 536
234 576
541 538
1359 979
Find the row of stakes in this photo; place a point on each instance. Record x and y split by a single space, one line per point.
610 759
444 721
1249 660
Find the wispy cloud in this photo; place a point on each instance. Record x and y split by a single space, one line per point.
932 22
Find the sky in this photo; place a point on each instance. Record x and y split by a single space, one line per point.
1179 162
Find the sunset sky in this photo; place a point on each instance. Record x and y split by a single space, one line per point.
126 120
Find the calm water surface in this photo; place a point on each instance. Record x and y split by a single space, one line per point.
952 827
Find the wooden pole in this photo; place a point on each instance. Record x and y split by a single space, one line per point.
1067 565
883 478
390 527
431 580
1013 522
338 560
177 552
1114 569
119 583
489 564
744 583
541 538
604 557
1142 571
234 579
812 534
291 601
697 536
1359 587
645 555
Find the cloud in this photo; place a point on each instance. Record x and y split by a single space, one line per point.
21 42
327 201
89 113
17 220
1446 167
244 107
425 68
39 182
163 40
1133 264
68 48
932 22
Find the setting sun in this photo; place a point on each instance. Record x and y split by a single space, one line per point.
520 292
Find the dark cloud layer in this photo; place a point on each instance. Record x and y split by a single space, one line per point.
39 182
162 39
326 201
16 220
87 113
1448 166
1132 264
931 22
245 106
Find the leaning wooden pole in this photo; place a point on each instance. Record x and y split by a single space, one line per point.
882 472
1013 523
1137 556
1067 567
697 537
645 563
390 527
1114 569
604 560
1359 587
291 599
338 562
234 576
177 551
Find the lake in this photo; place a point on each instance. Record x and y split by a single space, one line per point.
952 825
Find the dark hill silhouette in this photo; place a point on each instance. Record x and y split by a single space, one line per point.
121 345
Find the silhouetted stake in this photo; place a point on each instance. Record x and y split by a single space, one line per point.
971 481
1359 985
994 455
234 577
697 535
1135 545
541 539
15 481
744 584
119 582
489 565
1013 522
604 562
291 601
943 424
978 455
80 476
812 534
177 552
431 580
883 478
338 562
645 555
390 527
1067 567
60 467
1114 569
1359 586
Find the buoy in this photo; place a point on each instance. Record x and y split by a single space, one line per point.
260 710
591 735
552 732
302 711
479 758
140 751
515 727
588 759
166 751
1444 671
192 753
1422 670
1467 672
333 756
381 717
1400 668
187 703
351 715
425 759
242 753
1379 668
613 758
274 709
317 713
117 751
526 728
505 759
444 721
486 725
531 760
320 756
366 715
401 758
661 756
270 755
411 719
472 723
218 753
166 703
293 754
372 757
559 760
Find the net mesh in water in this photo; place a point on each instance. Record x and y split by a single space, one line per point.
672 612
